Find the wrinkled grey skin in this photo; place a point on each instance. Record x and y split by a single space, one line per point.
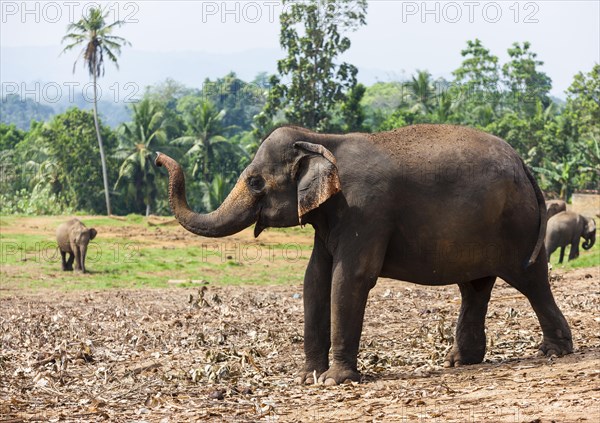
565 228
554 207
73 238
375 201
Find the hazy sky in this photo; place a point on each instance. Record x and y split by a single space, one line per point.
400 36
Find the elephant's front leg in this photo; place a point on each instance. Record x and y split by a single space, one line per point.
70 261
317 314
63 256
77 254
354 274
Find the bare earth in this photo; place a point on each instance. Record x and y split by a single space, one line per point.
230 353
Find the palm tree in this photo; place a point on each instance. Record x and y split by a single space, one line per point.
422 92
216 191
94 35
205 129
139 141
444 107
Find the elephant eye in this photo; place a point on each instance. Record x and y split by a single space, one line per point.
257 183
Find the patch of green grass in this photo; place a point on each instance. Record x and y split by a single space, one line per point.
32 262
112 222
587 258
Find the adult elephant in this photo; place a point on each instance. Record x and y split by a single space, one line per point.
554 207
566 228
73 237
430 204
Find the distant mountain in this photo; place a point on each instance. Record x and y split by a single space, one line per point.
21 112
52 88
142 68
56 88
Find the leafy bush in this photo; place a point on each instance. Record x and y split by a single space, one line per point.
37 202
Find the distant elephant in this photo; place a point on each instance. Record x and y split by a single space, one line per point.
375 202
555 206
73 237
566 228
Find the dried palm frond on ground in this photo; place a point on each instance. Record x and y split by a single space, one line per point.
230 354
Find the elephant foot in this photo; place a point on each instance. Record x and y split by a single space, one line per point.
457 358
308 377
337 375
558 347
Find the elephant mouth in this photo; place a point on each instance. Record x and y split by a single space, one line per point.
259 226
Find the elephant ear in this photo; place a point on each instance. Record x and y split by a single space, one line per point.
316 176
93 233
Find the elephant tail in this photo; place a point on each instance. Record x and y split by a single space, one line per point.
542 213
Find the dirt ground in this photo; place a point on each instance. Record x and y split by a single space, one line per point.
224 353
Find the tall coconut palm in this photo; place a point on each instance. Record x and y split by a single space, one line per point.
139 141
94 36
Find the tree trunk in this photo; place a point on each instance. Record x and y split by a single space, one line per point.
101 147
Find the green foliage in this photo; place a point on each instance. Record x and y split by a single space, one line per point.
353 112
39 201
526 84
476 85
70 141
478 73
310 83
422 92
241 100
52 167
10 136
216 191
381 100
204 139
140 140
583 103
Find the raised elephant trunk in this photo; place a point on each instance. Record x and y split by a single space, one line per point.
237 212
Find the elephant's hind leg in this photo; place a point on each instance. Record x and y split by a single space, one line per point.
469 344
574 251
562 255
533 283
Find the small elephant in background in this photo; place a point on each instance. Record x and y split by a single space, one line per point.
566 228
73 237
554 207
